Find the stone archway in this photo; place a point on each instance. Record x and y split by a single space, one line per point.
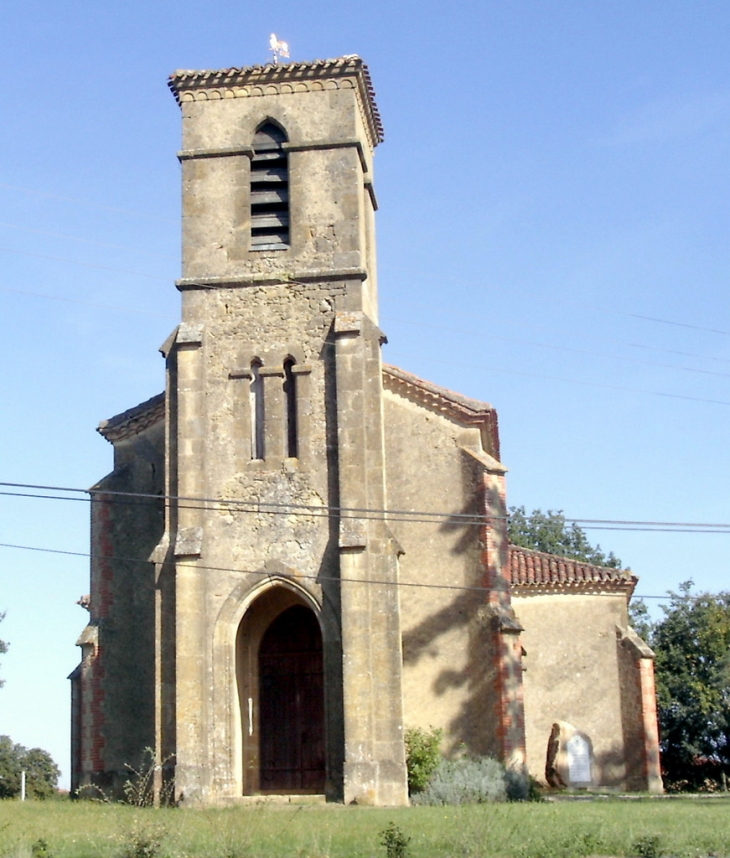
279 669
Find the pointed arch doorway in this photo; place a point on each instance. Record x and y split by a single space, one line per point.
281 691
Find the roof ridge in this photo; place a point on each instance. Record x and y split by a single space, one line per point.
475 406
534 569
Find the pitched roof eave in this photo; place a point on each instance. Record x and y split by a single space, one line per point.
441 400
134 420
532 572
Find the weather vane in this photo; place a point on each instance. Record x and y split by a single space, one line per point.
278 49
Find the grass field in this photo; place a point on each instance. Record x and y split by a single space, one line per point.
647 828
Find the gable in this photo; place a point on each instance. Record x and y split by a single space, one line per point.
469 413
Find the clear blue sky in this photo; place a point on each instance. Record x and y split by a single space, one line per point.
553 234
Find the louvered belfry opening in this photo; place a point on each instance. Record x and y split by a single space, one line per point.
269 189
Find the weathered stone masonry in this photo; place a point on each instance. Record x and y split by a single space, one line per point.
260 614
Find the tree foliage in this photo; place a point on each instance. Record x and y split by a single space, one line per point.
692 646
41 773
549 532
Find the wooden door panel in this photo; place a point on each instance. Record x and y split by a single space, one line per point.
291 681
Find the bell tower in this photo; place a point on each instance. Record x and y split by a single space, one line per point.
278 630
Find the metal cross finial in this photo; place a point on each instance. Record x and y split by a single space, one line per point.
278 49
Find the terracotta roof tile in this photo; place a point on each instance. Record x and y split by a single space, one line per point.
182 80
531 571
470 412
473 409
133 420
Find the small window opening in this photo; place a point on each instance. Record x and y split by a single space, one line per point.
269 189
257 411
290 392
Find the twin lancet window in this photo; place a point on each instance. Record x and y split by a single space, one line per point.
259 429
269 189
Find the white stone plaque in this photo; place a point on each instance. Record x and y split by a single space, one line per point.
579 760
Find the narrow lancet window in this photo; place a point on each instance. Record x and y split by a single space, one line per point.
290 392
269 189
257 411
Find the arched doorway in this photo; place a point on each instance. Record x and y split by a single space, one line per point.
291 704
281 745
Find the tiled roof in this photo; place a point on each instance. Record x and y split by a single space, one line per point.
471 412
133 420
536 571
182 81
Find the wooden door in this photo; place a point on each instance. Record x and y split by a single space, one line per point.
291 706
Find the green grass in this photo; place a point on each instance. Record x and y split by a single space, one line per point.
645 828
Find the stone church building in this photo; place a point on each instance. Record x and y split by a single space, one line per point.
300 551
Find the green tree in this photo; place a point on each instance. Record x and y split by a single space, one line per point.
41 773
549 532
692 646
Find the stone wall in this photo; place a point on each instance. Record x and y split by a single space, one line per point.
450 662
572 674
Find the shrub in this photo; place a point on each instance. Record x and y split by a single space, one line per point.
422 756
647 847
470 780
395 841
143 841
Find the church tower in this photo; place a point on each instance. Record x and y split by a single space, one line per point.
278 640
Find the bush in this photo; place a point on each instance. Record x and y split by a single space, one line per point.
395 842
470 780
422 756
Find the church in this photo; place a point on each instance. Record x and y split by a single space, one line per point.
301 552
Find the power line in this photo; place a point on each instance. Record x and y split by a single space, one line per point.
399 321
82 240
317 578
367 513
553 299
84 264
493 336
87 303
524 374
522 324
258 507
87 203
432 360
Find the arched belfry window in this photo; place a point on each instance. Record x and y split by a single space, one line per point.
269 189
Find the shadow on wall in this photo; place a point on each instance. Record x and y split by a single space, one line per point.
467 614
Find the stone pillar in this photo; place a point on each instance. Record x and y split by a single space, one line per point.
651 726
374 765
191 645
274 413
507 648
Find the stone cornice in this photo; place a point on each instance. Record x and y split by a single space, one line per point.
248 280
462 409
348 72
